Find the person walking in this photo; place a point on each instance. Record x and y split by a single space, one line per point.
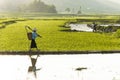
94 27
34 36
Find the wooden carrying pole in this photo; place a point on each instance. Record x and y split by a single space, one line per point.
29 34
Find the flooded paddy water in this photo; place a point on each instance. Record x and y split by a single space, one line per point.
61 67
86 28
80 27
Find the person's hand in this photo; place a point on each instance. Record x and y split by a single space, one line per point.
39 36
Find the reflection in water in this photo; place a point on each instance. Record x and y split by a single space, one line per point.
61 67
33 69
79 69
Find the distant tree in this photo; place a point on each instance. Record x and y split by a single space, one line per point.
52 9
73 11
79 11
67 9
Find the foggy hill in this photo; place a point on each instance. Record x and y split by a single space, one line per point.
26 6
87 6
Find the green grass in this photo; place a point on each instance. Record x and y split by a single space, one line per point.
14 38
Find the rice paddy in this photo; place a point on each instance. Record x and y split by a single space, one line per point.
54 37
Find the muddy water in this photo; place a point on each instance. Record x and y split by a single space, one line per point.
61 67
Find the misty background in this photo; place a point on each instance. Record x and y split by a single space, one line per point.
62 6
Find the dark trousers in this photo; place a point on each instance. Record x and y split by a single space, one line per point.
33 44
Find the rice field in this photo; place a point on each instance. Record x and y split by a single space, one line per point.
54 37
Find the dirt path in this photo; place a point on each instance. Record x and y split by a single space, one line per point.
58 52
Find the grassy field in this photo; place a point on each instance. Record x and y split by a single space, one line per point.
54 38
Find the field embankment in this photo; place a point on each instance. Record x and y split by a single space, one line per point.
58 52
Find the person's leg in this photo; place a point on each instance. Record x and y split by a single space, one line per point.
31 45
35 45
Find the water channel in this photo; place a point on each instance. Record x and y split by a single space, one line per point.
61 67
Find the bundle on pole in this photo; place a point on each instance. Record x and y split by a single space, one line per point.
29 34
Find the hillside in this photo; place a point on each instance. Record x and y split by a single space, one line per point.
26 6
87 6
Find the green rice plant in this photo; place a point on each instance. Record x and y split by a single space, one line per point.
54 37
117 33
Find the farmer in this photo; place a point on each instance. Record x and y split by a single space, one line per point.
94 27
34 36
